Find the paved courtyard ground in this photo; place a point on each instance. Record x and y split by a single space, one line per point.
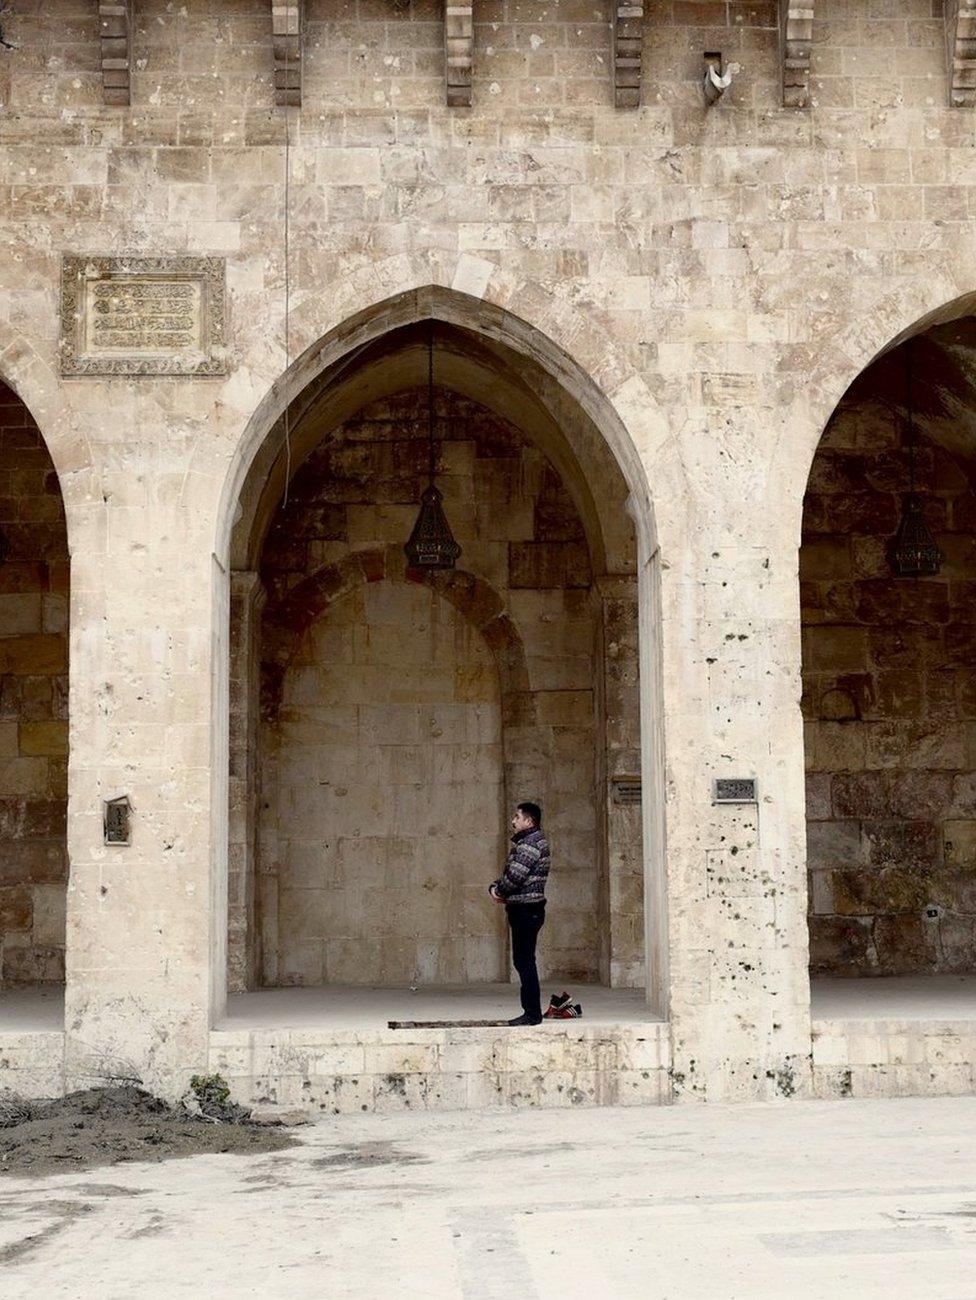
821 1199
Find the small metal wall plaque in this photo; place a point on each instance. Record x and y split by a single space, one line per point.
116 821
735 789
142 316
626 789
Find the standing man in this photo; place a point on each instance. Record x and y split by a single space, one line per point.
522 888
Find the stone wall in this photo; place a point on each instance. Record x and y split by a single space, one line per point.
394 698
705 282
33 704
889 674
386 800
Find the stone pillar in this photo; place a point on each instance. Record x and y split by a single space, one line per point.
146 626
247 598
737 887
619 738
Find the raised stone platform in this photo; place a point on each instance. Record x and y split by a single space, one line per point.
907 1036
330 1051
32 1042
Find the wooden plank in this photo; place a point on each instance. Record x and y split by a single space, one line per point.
447 1024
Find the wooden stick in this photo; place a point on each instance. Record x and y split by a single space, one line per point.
445 1024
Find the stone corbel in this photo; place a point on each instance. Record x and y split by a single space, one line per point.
287 20
458 52
628 44
115 32
960 19
796 37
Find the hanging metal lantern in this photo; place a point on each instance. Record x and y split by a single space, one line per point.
431 544
913 552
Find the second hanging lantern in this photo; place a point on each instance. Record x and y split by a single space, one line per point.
913 551
431 544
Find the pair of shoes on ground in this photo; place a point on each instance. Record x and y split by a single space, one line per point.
562 1007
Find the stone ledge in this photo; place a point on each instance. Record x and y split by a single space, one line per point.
343 1071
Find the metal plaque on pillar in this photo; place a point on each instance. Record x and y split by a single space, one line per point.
626 789
116 820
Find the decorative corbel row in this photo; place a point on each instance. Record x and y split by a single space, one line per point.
115 31
960 21
286 33
628 44
796 37
459 52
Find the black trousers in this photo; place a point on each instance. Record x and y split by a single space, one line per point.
526 920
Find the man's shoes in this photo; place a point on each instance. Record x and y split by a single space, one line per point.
563 1008
525 1020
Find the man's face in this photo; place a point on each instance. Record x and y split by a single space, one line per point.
520 822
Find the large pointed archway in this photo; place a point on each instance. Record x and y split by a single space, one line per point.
889 712
540 504
34 579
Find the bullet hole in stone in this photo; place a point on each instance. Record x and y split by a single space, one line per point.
104 890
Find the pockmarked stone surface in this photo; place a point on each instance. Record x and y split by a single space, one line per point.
670 303
142 316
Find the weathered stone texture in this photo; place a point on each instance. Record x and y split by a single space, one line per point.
405 720
890 726
705 283
33 704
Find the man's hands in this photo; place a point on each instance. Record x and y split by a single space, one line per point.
494 895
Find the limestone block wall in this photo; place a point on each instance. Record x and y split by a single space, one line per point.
890 707
33 704
392 678
445 1069
708 282
385 786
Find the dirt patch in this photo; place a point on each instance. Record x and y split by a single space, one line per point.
367 1156
107 1126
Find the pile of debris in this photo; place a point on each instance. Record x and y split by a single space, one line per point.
106 1126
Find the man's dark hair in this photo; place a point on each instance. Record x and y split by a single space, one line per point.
532 810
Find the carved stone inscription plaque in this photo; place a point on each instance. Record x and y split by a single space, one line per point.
142 316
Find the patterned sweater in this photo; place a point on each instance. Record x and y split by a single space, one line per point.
524 877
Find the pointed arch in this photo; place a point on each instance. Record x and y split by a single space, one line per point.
286 621
574 347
